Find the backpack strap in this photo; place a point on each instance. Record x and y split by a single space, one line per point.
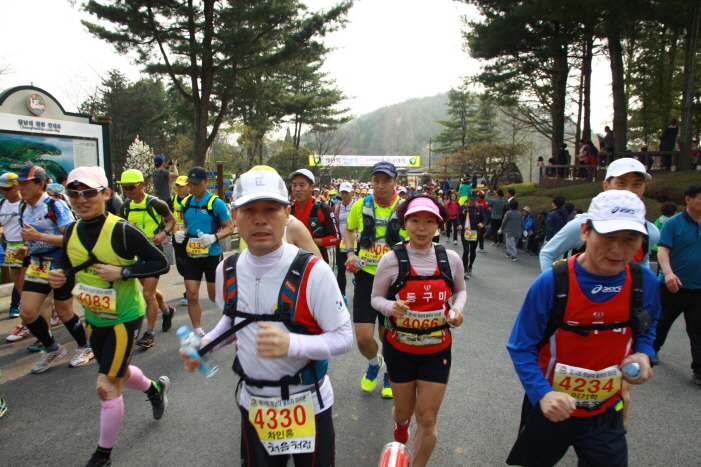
404 270
444 266
557 312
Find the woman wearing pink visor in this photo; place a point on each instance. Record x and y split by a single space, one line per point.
413 286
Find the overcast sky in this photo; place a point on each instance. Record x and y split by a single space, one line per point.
390 51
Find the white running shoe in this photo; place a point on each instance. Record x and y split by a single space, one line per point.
55 321
48 358
20 332
455 242
82 356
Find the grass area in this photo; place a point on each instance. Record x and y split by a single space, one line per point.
662 188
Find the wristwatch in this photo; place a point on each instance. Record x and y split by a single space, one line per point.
167 232
126 273
350 250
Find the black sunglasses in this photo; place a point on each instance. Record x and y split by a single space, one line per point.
90 193
7 189
129 187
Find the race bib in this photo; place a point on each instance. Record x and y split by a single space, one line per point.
11 259
469 235
38 271
284 426
590 388
100 302
374 254
195 249
421 320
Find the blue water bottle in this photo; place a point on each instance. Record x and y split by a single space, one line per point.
632 370
190 342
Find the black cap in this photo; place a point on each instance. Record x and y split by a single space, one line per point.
196 175
385 167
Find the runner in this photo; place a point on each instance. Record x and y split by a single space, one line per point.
473 218
341 212
207 220
175 205
376 216
44 220
623 174
270 359
99 256
152 216
417 346
570 343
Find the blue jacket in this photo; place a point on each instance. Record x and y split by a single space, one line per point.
556 220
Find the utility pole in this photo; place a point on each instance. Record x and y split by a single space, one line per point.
692 41
429 155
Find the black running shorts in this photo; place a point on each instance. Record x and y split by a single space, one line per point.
404 367
363 312
61 294
196 267
253 454
112 345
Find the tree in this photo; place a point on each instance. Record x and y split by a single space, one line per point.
140 157
462 106
207 46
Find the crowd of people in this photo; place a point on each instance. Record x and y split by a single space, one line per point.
577 352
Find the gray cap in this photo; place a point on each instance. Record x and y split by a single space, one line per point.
304 172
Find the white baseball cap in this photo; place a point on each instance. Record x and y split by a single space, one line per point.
345 186
304 172
94 177
616 210
261 183
401 189
626 165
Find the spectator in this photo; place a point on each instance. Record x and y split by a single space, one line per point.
583 151
551 170
451 224
569 207
556 219
538 236
608 142
540 164
562 155
668 140
497 216
513 227
474 179
668 209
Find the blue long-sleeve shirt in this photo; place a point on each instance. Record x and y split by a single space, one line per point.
568 238
532 319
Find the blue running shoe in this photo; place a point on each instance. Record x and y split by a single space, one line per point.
14 313
369 380
386 388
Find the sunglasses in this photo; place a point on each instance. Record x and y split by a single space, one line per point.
129 187
7 189
87 194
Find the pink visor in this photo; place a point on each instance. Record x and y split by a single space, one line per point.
423 205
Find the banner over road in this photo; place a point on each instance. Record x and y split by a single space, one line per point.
364 161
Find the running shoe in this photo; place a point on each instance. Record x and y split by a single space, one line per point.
97 461
401 433
369 380
447 240
493 244
3 407
48 358
469 272
696 377
200 333
159 402
507 254
21 332
168 320
37 346
146 340
455 242
183 302
13 313
386 388
55 321
466 276
514 259
82 356
481 250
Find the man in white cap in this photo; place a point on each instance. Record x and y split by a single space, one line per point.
341 210
622 174
288 323
573 344
99 264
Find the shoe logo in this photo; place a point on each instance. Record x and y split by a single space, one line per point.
598 314
602 289
427 287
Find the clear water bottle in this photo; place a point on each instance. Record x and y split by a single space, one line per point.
200 234
632 370
190 342
359 262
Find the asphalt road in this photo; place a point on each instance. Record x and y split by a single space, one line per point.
53 418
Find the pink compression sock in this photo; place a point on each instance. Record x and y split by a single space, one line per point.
111 417
137 380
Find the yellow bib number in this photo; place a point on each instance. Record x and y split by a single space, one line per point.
38 271
195 249
100 302
11 259
374 254
470 235
284 426
421 320
590 388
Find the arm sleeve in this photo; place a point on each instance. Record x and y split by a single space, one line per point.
161 208
527 333
566 239
324 346
134 242
64 261
653 238
459 290
386 274
332 238
651 303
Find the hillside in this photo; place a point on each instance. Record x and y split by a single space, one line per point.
662 187
402 128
